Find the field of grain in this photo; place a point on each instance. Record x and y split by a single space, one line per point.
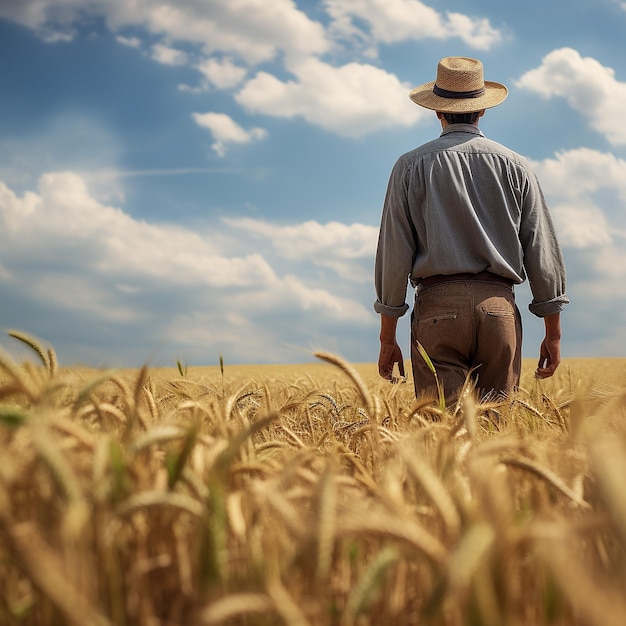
313 495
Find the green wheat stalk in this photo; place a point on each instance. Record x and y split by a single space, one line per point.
222 372
431 367
182 368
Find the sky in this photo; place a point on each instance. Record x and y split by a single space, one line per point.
184 180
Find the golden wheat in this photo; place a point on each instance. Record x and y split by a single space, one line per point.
263 496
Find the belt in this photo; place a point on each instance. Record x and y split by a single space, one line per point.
481 277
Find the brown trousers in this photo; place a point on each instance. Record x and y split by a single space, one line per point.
464 325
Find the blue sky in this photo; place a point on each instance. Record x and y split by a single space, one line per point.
180 180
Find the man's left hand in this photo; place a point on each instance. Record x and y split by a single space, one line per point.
390 354
549 358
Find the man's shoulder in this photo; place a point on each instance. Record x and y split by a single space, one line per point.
420 151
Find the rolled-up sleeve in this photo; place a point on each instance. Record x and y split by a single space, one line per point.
396 246
549 307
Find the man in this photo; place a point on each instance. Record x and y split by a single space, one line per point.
465 220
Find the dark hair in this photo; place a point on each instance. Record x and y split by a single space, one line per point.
461 118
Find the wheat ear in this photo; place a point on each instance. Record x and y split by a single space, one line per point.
354 376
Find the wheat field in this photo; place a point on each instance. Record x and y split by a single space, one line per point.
308 495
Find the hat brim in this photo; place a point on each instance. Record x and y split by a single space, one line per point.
495 94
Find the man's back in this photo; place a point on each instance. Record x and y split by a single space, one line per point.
473 205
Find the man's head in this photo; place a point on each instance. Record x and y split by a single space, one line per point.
460 87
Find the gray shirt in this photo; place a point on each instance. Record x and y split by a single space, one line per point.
465 204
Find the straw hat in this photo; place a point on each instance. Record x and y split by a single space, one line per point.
460 88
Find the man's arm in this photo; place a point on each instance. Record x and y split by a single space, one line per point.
390 352
550 350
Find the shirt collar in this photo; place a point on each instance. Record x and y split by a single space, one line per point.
462 128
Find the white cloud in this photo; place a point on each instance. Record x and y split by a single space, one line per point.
586 190
53 20
574 173
350 100
130 42
589 88
476 33
273 326
322 302
225 130
223 73
392 21
582 225
254 30
168 56
64 216
339 247
166 287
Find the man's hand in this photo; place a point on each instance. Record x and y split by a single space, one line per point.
550 350
390 354
549 358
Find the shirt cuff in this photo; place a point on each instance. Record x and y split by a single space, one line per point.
549 307
391 311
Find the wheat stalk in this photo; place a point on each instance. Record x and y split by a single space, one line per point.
369 584
159 499
347 369
435 489
44 567
326 524
548 476
35 344
236 605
